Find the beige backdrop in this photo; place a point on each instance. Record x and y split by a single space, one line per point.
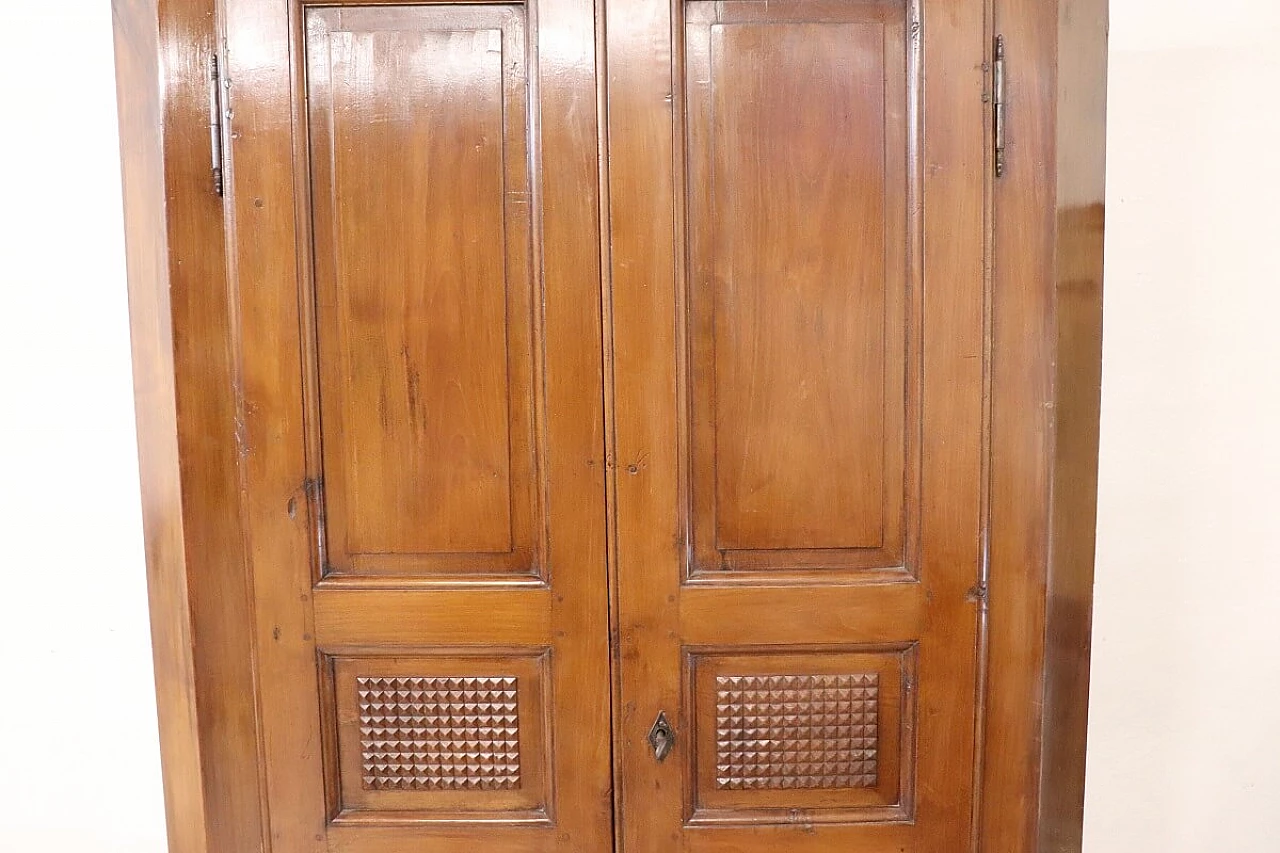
1185 714
1185 734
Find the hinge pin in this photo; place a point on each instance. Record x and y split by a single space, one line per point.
215 122
997 105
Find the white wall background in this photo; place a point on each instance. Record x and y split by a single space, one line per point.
1184 720
79 762
1185 730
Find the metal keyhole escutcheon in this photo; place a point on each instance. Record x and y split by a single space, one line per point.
661 737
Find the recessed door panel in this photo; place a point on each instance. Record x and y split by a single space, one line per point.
424 318
797 286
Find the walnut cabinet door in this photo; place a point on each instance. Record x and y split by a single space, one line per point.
613 409
416 251
798 267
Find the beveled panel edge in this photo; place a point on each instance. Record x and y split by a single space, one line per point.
312 4
364 818
344 581
873 575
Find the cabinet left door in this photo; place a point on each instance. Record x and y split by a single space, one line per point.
412 198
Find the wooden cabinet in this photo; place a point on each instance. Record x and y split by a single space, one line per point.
642 426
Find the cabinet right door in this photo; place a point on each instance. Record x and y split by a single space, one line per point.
798 217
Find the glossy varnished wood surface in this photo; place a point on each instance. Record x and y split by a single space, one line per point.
424 319
1047 345
789 383
764 573
1020 414
137 55
386 337
763 243
182 334
1077 292
794 375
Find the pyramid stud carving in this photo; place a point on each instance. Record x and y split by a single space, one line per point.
797 731
422 734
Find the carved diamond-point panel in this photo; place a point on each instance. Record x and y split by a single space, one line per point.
422 734
797 731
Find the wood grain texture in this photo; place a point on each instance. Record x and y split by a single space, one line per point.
1047 344
786 382
797 281
653 198
181 331
1021 399
421 307
146 224
424 293
1077 294
797 287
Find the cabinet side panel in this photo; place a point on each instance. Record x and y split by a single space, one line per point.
184 391
1081 169
138 79
1021 436
221 609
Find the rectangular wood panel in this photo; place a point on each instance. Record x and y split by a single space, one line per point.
439 737
824 730
423 289
797 284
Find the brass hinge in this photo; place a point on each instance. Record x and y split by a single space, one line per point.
997 105
217 112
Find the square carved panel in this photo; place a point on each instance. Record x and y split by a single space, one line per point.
797 731
449 736
818 734
424 733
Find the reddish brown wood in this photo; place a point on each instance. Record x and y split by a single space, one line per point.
844 377
392 498
759 500
726 298
424 319
182 333
1048 231
1077 292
